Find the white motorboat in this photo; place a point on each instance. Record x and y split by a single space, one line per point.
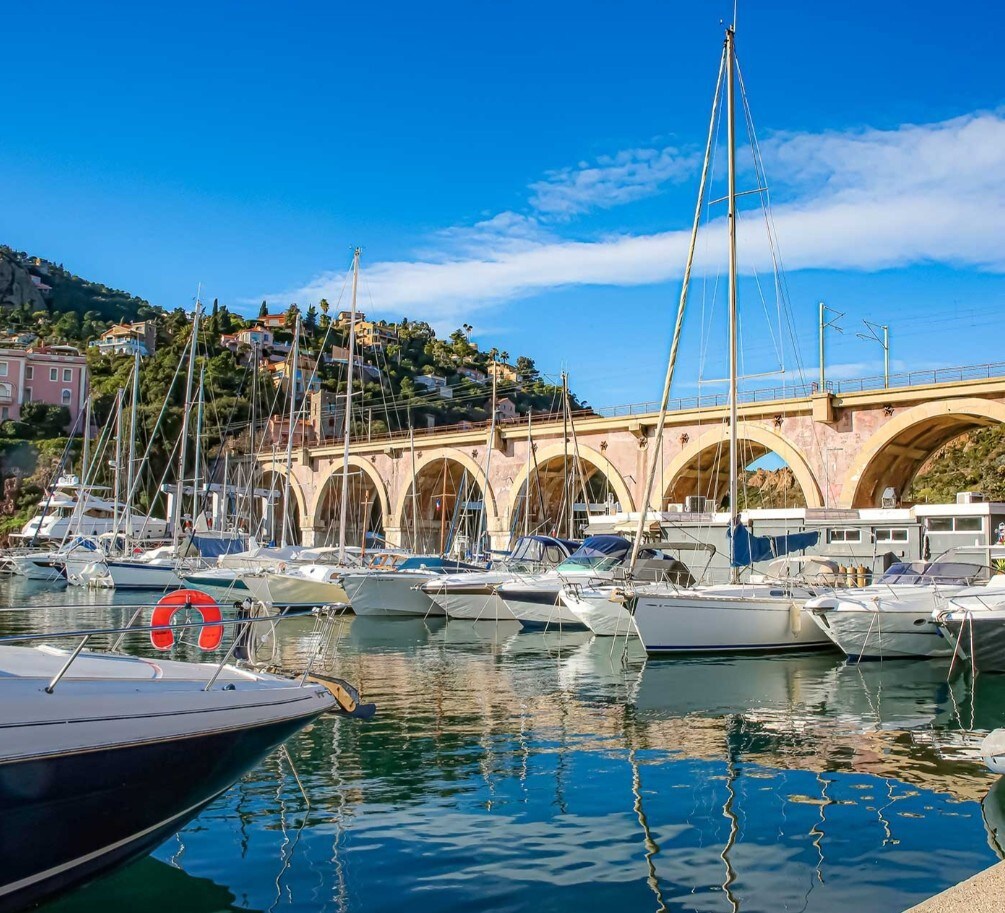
973 623
536 602
475 597
105 755
36 565
374 591
895 617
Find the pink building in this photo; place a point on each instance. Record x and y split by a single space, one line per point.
56 375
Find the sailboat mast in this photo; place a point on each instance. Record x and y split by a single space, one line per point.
196 500
133 409
117 485
348 409
415 490
488 461
292 374
566 494
731 140
186 415
85 460
526 489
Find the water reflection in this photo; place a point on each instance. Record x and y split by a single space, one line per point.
520 770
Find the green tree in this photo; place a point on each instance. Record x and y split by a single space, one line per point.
263 311
311 319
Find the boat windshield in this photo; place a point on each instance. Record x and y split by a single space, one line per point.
957 573
597 553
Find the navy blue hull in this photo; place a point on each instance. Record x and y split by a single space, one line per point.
67 819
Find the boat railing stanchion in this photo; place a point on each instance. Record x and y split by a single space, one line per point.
132 620
226 658
69 661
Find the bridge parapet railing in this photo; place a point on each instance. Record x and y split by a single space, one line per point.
900 380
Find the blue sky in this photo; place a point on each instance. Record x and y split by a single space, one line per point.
526 168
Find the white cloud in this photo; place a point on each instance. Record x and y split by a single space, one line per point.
611 181
859 200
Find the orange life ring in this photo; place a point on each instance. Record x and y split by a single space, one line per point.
211 635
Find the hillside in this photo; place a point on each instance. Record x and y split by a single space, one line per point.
42 296
973 462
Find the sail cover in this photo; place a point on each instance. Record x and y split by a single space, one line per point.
749 549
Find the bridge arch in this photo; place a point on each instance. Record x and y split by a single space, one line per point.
893 455
365 486
455 470
275 479
596 468
708 457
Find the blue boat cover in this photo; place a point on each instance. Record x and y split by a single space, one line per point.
749 549
214 546
601 546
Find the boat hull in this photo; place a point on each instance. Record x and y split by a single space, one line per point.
537 607
390 595
882 634
36 567
477 602
138 575
60 828
981 638
707 624
603 616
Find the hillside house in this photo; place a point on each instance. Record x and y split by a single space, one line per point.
55 375
503 372
474 375
306 379
505 409
127 338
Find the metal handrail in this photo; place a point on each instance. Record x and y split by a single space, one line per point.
85 635
140 629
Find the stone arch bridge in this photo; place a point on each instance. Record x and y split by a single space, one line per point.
845 447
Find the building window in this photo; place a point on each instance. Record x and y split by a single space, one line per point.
27 394
955 525
53 374
891 535
4 413
67 375
844 535
67 397
29 373
3 369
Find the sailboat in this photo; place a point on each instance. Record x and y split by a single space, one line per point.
733 616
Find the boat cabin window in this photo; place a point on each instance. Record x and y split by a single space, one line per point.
955 524
553 554
891 535
844 535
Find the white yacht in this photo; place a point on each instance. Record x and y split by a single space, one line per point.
398 591
895 617
71 509
475 596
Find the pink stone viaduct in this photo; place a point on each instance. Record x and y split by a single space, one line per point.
844 450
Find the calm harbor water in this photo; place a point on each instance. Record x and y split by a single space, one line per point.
533 771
